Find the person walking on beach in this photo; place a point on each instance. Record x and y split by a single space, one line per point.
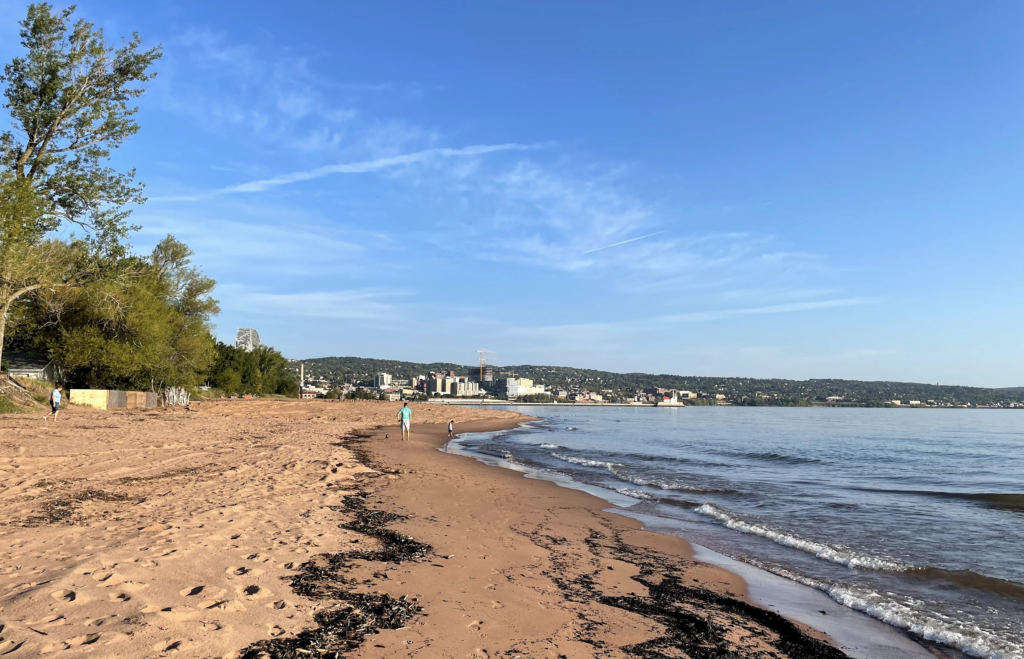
405 416
54 403
451 428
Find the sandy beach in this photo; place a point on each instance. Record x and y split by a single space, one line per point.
296 529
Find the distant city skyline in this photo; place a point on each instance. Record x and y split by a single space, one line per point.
794 189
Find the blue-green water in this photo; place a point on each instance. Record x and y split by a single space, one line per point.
915 517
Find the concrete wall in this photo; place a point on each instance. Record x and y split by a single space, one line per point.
102 399
96 398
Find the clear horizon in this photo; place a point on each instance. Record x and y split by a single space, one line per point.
793 191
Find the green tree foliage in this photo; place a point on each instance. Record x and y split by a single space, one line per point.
28 261
262 371
70 98
145 327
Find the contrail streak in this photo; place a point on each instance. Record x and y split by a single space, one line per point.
598 249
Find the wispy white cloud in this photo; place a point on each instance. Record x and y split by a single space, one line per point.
623 242
358 304
378 164
722 314
359 167
606 330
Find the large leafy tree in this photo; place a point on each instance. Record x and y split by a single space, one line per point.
260 371
144 330
71 101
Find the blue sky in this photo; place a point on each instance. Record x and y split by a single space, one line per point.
784 189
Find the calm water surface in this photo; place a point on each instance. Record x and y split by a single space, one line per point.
915 517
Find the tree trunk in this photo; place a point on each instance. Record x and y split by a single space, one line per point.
3 326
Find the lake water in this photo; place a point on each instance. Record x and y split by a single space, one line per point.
915 517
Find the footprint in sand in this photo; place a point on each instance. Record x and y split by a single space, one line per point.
102 576
84 639
167 646
223 605
7 647
119 597
279 604
98 622
212 626
189 592
48 621
275 630
237 571
64 595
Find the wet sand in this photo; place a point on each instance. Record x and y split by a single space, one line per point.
295 529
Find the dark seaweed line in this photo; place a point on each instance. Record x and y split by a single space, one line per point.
344 626
690 632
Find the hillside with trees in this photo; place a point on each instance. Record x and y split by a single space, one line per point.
741 391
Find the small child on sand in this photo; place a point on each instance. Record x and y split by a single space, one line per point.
451 428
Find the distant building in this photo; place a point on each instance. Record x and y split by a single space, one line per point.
686 394
464 387
30 365
382 380
247 339
440 384
487 381
516 387
310 393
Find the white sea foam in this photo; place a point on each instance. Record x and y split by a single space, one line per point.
826 552
585 462
636 494
661 483
550 446
964 636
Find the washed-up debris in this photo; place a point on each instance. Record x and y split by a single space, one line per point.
395 547
340 629
697 621
62 509
344 626
186 471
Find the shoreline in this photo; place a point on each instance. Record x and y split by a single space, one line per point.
428 493
852 631
280 529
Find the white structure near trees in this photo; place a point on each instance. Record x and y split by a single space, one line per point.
247 339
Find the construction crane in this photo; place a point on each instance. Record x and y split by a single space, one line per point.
483 360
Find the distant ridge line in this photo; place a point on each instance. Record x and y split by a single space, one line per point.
781 390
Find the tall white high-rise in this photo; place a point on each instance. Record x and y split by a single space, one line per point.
247 339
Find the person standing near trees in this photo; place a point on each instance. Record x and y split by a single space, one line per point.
405 417
55 396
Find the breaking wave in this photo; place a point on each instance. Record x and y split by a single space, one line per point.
839 555
586 462
964 636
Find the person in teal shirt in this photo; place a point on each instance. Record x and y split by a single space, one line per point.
405 416
54 403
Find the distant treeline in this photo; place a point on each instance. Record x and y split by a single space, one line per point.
752 391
